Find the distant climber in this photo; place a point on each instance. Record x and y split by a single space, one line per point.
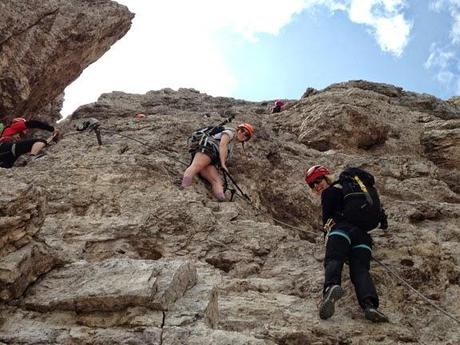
278 106
210 149
345 241
12 144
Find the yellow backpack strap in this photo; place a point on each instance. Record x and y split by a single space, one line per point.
364 189
360 183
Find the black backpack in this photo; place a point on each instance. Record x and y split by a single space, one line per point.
199 138
362 206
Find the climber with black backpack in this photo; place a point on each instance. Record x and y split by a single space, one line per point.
350 208
210 148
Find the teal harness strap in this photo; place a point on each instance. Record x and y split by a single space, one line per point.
365 246
340 233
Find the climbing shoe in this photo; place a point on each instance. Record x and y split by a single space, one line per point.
374 315
331 295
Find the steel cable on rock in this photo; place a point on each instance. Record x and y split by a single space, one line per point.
426 299
145 144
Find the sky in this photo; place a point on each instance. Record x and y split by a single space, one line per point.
268 49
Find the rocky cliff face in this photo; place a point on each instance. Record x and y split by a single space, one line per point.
100 246
46 44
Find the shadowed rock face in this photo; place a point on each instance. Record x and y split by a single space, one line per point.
124 256
46 44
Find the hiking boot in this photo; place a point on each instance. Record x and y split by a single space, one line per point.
331 295
371 313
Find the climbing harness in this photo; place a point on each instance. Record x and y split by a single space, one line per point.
203 140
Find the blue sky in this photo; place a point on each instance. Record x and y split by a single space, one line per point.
261 49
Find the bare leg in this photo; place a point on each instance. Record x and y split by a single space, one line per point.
211 174
37 147
200 161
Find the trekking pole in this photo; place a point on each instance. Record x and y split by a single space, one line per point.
227 120
232 191
414 290
225 172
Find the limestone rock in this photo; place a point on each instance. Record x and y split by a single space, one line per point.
47 44
22 267
112 285
116 210
22 212
441 142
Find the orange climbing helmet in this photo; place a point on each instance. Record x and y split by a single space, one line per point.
248 127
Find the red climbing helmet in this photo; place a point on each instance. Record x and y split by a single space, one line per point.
314 172
279 103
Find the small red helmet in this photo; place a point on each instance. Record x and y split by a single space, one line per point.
279 103
314 172
247 127
18 119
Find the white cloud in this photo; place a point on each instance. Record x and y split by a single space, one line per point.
445 77
453 6
455 31
443 61
387 21
174 43
445 65
393 34
439 58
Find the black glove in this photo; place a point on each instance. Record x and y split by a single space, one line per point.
383 220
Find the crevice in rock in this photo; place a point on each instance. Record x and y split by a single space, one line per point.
162 327
30 26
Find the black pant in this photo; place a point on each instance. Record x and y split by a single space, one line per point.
346 242
276 109
9 152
